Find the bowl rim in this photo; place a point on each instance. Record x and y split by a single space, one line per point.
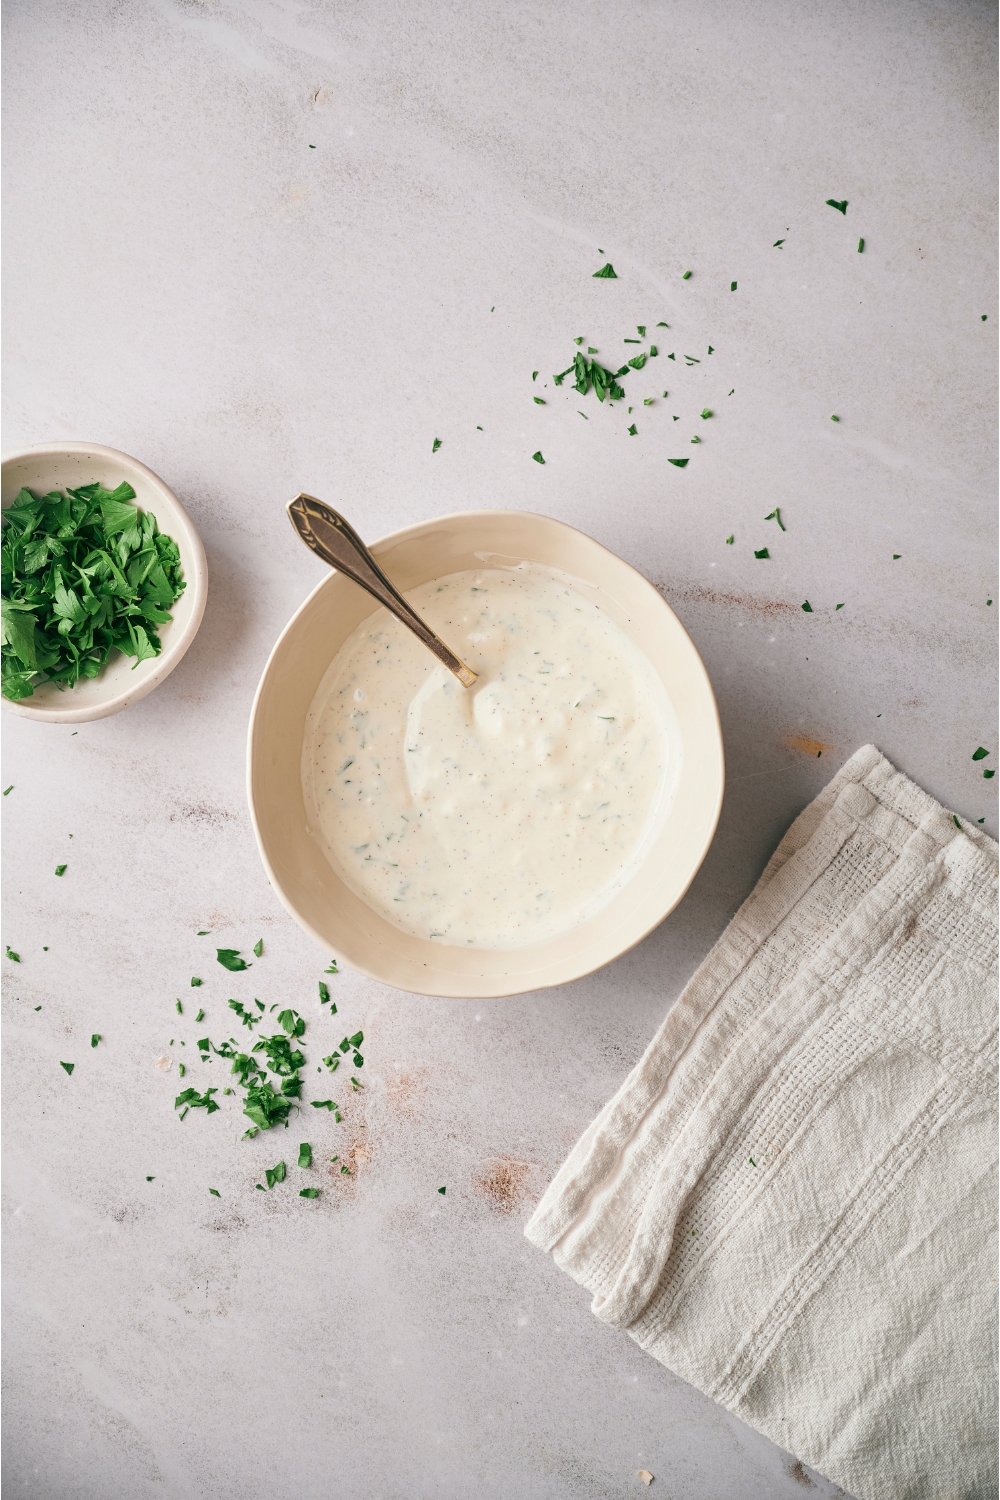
196 580
391 539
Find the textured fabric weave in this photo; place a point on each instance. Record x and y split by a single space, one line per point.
791 1201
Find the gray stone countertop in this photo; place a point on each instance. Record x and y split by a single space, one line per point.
271 245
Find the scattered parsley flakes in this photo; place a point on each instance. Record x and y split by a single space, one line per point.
647 401
538 457
196 982
324 993
661 324
777 244
607 272
230 959
200 1017
309 1192
179 1007
732 392
633 431
95 1038
191 1099
583 414
686 276
732 286
591 350
838 606
775 515
274 1174
840 207
203 932
436 445
640 329
9 789
984 316
762 553
258 947
61 869
653 352
69 1067
538 400
215 1192
988 775
305 1155
953 819
678 463
181 1070
332 968
442 1191
896 556
980 754
706 414
696 440
579 340
861 246
807 606
534 374
323 1104
730 540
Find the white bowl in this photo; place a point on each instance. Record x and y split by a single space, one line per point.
339 921
61 466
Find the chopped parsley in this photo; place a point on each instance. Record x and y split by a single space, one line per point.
834 419
179 1007
538 457
732 286
661 324
309 1192
305 1155
686 276
861 246
196 982
69 1067
640 329
775 515
95 1038
678 463
633 430
980 754
762 553
85 574
840 207
215 1192
200 1016
607 272
777 244
807 607
9 789
838 606
953 819
647 401
706 414
323 1104
538 400
730 540
61 869
989 775
258 947
534 374
442 1191
896 556
275 1174
436 446
230 959
324 993
191 1099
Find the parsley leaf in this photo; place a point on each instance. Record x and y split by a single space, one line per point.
607 272
988 775
633 430
95 1038
437 444
679 463
538 457
732 286
215 1192
333 967
195 982
61 869
980 754
14 957
323 1104
807 607
85 573
775 515
258 947
305 1155
686 276
324 993
193 1100
69 1067
762 553
840 207
309 1192
861 246
538 400
730 540
230 959
442 1191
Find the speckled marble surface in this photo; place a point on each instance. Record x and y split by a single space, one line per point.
277 246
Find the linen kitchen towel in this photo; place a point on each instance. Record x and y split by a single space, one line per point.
791 1201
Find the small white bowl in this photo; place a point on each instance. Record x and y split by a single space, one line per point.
339 921
62 466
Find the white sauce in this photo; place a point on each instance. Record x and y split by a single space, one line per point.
504 815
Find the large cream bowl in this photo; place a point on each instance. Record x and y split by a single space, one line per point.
339 921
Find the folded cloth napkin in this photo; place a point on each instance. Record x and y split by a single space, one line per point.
791 1200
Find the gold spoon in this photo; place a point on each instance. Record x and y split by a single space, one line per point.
333 539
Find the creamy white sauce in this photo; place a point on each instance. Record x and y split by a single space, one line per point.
503 815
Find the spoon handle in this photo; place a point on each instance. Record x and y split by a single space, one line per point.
333 539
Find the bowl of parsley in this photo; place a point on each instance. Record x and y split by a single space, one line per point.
104 581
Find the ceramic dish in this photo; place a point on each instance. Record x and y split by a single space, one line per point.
339 921
67 466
